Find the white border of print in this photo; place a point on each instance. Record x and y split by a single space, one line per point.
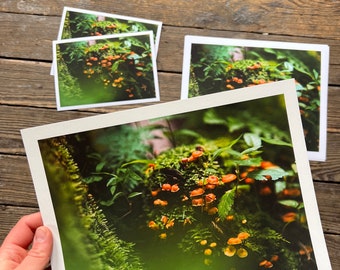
31 136
323 49
120 17
136 101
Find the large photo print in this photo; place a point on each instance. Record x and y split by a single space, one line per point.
206 183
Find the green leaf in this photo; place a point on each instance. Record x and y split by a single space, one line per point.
210 117
112 181
290 203
276 142
218 152
100 166
113 189
134 194
112 200
275 173
92 179
226 203
256 161
288 66
252 140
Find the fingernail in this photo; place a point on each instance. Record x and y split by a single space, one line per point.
40 235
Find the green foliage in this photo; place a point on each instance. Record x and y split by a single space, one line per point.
226 203
122 66
68 85
254 66
87 239
85 25
119 165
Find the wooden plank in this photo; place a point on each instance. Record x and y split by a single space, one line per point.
300 18
13 119
16 182
333 246
28 83
9 216
327 195
37 44
34 33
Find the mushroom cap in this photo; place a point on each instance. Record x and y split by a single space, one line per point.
243 235
207 252
174 188
289 217
212 211
197 192
210 197
228 178
166 187
242 253
197 154
230 251
234 241
197 202
213 180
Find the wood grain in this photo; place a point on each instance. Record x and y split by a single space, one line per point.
300 17
27 94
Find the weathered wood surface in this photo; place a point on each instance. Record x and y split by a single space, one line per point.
27 98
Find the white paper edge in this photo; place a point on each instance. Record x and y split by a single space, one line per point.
286 87
113 103
322 48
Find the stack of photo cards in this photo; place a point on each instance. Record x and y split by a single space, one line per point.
220 64
219 181
102 59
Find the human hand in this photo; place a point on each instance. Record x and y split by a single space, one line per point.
15 252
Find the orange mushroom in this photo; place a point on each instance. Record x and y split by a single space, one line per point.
213 180
209 198
229 251
196 154
243 235
174 188
166 187
267 165
289 217
197 202
160 202
153 225
242 253
212 211
228 178
197 192
234 241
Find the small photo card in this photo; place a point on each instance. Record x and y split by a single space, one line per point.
210 182
213 65
76 23
105 70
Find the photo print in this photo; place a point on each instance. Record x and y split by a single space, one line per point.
210 182
105 70
213 65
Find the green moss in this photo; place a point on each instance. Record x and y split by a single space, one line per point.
88 241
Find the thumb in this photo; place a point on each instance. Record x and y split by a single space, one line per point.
39 255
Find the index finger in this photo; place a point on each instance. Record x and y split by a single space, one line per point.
23 232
